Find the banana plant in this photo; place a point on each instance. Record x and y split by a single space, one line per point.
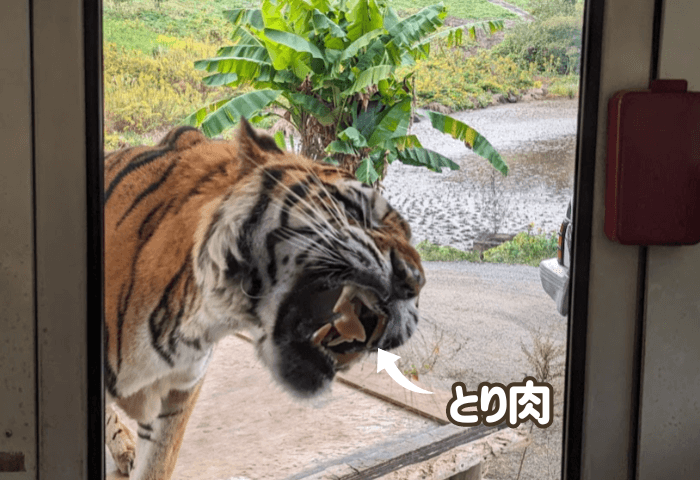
332 67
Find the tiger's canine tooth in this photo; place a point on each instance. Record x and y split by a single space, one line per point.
348 325
346 296
320 334
368 298
378 330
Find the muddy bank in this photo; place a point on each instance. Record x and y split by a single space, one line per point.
536 139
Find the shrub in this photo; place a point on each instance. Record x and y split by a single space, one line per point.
525 248
458 81
552 45
148 91
429 252
565 86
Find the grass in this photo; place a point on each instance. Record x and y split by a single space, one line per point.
522 4
200 20
467 9
130 33
524 249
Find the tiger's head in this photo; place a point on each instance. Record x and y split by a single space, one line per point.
318 266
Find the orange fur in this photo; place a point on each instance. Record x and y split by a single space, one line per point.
163 207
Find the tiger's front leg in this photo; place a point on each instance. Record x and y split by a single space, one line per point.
159 441
120 441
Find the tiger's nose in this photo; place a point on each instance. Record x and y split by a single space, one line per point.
407 280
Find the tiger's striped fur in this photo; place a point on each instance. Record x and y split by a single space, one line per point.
204 238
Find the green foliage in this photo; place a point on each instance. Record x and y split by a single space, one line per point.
543 9
334 66
550 44
522 4
565 86
429 252
461 82
467 9
131 34
196 19
147 41
148 91
525 248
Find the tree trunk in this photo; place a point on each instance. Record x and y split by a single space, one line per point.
315 138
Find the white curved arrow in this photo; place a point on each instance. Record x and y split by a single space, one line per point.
386 361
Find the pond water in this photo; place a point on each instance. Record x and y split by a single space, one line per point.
537 141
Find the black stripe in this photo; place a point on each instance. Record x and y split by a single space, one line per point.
163 308
298 193
301 258
122 307
172 136
145 426
210 231
146 158
137 162
352 208
170 414
271 242
150 189
270 179
399 271
151 222
172 341
266 144
196 343
218 170
113 159
116 433
110 376
146 230
144 436
369 248
255 281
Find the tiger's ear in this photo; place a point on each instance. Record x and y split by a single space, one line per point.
254 146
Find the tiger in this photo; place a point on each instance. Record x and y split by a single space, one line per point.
204 238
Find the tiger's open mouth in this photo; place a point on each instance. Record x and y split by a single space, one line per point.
354 324
324 324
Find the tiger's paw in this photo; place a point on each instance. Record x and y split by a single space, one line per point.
125 459
120 441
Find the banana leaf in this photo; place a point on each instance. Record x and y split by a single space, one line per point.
422 157
471 138
365 171
226 114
